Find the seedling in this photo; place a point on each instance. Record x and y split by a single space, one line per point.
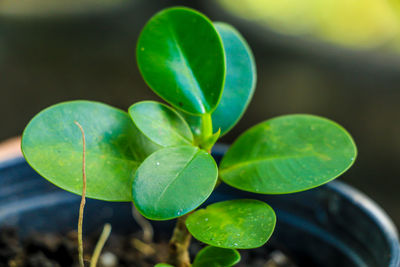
158 156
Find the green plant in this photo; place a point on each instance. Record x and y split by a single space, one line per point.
158 156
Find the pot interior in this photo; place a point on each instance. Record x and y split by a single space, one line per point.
333 225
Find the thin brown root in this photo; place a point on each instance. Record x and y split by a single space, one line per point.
100 244
148 231
82 206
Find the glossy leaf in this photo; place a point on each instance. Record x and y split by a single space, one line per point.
161 124
240 81
163 265
174 181
288 154
181 58
144 147
216 257
52 145
242 224
194 124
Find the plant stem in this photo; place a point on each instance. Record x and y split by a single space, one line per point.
206 126
179 244
82 206
100 244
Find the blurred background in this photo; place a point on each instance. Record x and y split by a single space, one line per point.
334 58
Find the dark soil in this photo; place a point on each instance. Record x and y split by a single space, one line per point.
53 250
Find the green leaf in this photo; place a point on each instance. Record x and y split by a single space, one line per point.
240 82
216 257
163 265
240 79
288 154
174 181
161 124
181 58
194 124
144 147
52 145
242 223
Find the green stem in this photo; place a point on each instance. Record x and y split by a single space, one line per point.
206 126
206 130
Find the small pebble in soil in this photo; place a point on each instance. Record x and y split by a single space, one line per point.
278 259
108 259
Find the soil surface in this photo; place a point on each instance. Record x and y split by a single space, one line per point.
54 250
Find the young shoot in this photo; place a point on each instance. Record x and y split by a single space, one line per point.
157 155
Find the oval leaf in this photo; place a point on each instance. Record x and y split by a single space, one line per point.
174 181
181 58
288 154
144 147
242 223
161 124
163 265
52 145
240 82
240 79
216 257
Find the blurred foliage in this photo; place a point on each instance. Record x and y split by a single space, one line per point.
352 23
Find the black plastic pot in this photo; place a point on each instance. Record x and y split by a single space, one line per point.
334 225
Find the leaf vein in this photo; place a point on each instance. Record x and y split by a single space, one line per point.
198 93
175 178
261 160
